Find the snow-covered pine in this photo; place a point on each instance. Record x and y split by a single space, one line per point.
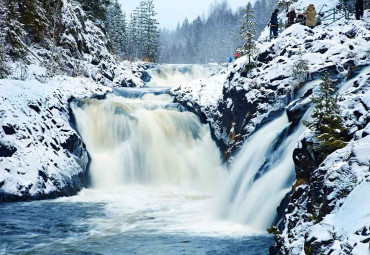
3 57
203 40
150 32
96 8
117 28
326 119
248 33
300 68
143 33
13 30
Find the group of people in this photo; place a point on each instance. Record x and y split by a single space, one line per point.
307 18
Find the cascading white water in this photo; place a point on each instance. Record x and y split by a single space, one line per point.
147 141
251 197
175 75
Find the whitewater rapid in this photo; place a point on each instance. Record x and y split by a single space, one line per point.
151 159
147 141
153 163
174 75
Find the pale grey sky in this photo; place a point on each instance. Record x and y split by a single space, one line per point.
170 12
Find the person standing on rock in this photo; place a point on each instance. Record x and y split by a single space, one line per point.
359 9
291 16
311 16
274 23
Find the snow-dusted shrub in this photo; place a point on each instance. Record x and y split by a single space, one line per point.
300 69
21 72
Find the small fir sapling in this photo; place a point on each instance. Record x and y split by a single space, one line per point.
326 120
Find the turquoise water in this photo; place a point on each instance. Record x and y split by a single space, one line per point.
69 226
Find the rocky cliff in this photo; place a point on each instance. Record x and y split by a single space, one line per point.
317 213
41 154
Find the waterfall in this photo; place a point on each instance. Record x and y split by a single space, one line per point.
262 175
175 75
147 140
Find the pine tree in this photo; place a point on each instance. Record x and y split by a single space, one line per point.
151 32
143 33
300 68
14 31
32 16
327 123
117 28
96 8
248 33
3 58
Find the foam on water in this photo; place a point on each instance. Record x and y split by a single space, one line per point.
175 75
154 167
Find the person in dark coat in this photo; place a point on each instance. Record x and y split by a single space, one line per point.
274 23
359 9
291 16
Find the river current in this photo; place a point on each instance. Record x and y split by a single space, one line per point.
156 177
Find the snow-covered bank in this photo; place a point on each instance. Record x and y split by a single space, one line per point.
237 102
329 208
41 154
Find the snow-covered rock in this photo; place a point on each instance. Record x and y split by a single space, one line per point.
41 155
329 210
237 101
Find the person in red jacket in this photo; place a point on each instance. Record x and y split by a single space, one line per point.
237 55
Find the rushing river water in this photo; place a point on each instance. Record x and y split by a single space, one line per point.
133 220
156 177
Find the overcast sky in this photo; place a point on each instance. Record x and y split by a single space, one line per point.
170 12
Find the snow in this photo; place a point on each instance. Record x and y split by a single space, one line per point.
37 132
354 212
325 47
271 87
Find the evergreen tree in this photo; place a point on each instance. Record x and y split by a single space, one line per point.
3 58
327 123
150 31
96 8
143 32
117 28
248 33
13 31
300 68
33 17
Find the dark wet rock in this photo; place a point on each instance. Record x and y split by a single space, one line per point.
267 56
9 129
7 150
145 77
348 64
35 108
351 33
297 109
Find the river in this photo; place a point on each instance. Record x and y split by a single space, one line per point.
156 179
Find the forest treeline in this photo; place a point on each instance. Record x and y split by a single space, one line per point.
211 38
